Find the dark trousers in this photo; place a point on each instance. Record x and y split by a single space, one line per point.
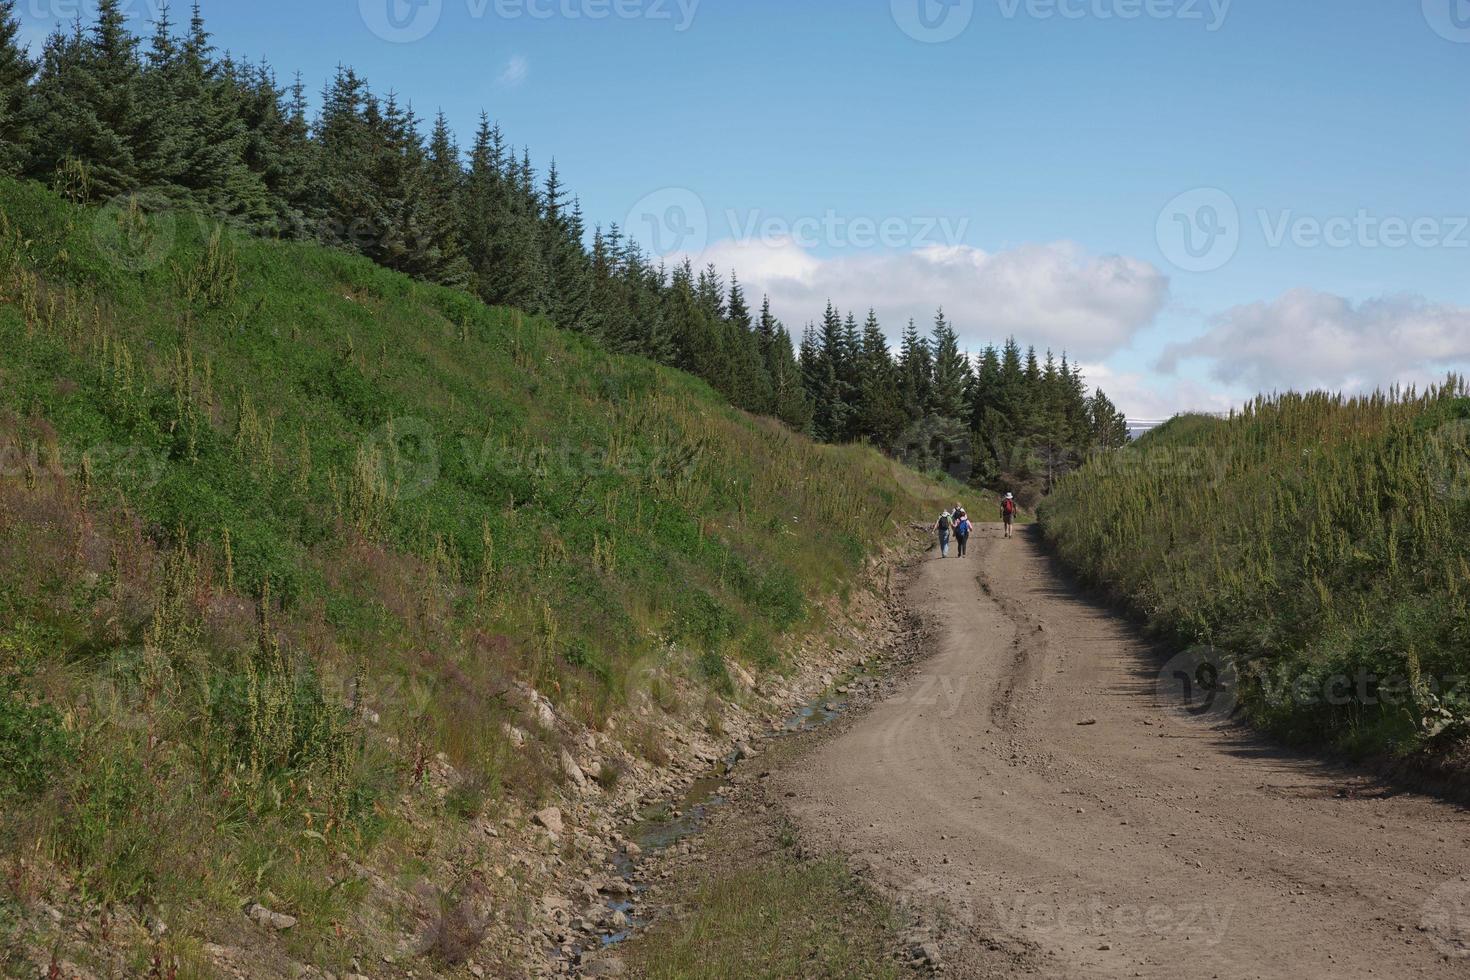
962 540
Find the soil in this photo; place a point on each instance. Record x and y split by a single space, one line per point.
1033 796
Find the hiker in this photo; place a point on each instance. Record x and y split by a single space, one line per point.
962 530
1008 512
943 526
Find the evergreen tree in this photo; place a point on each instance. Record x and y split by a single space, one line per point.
790 402
569 279
1108 426
916 370
880 414
225 138
951 372
16 71
88 105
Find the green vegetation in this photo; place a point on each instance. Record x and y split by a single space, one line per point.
284 535
773 917
171 125
1319 543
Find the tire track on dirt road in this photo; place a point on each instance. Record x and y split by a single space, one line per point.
1027 788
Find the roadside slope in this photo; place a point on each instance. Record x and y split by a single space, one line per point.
1030 785
315 581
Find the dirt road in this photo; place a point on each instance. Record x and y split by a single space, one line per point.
1030 783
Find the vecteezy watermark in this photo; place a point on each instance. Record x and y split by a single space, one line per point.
834 230
1450 19
73 10
1364 229
136 231
669 221
1211 13
1202 681
675 220
1448 456
1445 918
933 21
401 21
130 465
407 21
1195 922
937 691
1201 230
1195 465
405 454
937 21
1206 682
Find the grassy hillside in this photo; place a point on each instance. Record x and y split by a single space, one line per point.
283 535
1320 544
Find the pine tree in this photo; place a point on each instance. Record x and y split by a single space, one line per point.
767 328
951 372
569 279
342 198
88 104
790 402
16 71
1108 426
273 152
880 415
443 191
916 368
737 312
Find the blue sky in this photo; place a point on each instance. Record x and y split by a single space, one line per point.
1035 165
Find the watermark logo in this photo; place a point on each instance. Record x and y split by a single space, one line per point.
401 21
1202 230
933 21
1202 682
927 898
136 231
1211 13
1196 923
1450 19
1199 231
1449 456
670 221
1445 919
407 456
1364 229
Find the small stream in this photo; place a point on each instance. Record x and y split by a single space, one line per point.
667 824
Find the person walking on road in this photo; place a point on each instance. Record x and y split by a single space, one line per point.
1008 513
962 530
944 526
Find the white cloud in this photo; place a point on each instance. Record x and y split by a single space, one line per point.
515 73
1055 295
1310 339
1150 397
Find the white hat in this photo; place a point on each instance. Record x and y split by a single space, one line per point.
1010 496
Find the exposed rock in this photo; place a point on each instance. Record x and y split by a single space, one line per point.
573 771
550 818
263 916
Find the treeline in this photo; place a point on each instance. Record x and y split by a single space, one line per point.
1005 416
176 124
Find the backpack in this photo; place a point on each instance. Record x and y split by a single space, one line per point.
944 524
1008 508
964 528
